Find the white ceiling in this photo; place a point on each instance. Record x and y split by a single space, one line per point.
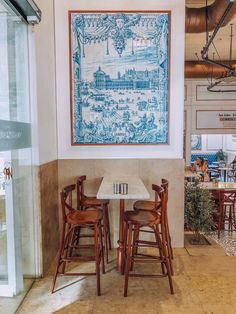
195 42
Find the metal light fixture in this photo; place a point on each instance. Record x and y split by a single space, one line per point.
229 73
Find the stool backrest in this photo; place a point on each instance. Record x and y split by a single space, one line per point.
66 200
165 186
160 197
227 196
80 191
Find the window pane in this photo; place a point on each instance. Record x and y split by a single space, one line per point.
14 72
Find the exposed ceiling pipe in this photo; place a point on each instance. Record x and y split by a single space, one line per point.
200 69
195 21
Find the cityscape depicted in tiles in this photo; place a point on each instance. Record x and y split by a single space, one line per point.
119 64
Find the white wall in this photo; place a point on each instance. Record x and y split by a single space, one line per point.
230 143
211 143
45 76
174 150
230 146
198 98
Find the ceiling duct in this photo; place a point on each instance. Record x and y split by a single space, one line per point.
195 21
201 69
210 19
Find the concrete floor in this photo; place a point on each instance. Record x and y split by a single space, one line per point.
204 282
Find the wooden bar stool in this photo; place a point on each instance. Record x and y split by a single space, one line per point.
227 210
151 205
156 205
85 202
73 219
154 220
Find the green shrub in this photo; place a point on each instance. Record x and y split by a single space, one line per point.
220 155
199 209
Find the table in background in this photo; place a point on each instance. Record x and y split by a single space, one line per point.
215 190
191 176
219 186
136 190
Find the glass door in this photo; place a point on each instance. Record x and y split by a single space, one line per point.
11 278
17 241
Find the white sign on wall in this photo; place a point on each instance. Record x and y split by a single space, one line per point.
215 119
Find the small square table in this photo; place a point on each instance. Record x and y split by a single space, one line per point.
136 190
191 175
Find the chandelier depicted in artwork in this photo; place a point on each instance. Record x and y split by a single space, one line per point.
119 77
118 28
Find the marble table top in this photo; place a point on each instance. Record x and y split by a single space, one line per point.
136 188
219 185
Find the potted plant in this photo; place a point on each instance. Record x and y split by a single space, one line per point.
199 210
220 155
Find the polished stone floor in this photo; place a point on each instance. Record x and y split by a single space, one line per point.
227 241
10 305
204 282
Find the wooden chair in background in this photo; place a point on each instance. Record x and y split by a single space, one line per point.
227 211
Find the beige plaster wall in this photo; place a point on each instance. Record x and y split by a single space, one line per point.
149 170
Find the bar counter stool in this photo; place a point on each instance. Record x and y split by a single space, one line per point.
150 205
155 205
73 219
134 220
85 202
227 210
